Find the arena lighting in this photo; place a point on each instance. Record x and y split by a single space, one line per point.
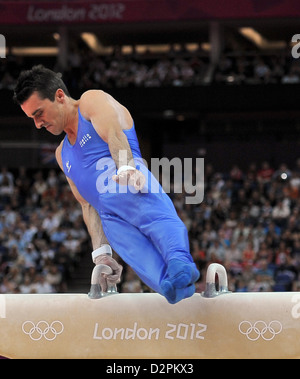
36 50
93 43
27 51
205 46
259 40
56 36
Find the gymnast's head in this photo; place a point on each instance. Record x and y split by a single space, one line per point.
42 95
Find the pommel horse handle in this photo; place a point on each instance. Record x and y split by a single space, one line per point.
96 290
211 290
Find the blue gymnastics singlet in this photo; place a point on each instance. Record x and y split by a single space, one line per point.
141 226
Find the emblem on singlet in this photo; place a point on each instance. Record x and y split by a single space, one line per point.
68 166
85 139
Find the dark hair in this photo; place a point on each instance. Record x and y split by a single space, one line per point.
39 79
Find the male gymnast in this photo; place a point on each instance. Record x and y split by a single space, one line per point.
101 159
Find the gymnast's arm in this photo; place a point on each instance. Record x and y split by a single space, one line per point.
90 215
94 226
110 118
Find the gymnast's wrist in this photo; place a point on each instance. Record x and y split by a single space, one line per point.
125 168
102 250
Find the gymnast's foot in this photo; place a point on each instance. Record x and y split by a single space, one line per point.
174 295
181 273
180 280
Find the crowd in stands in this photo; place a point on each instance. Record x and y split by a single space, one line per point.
87 70
249 222
175 68
257 68
42 235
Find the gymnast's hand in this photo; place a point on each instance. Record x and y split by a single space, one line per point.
108 280
127 175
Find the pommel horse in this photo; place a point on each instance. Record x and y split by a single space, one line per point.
214 324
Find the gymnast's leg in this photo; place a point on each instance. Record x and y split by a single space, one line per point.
159 221
170 237
140 253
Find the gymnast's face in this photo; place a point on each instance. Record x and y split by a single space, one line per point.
45 113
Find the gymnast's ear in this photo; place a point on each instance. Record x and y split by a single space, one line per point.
60 95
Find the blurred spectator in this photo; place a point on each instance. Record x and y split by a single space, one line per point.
131 283
54 277
265 173
40 285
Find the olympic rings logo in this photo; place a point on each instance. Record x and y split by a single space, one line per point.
260 329
42 329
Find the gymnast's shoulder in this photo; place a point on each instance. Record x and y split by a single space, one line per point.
91 100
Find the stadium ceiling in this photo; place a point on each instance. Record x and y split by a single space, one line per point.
269 31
